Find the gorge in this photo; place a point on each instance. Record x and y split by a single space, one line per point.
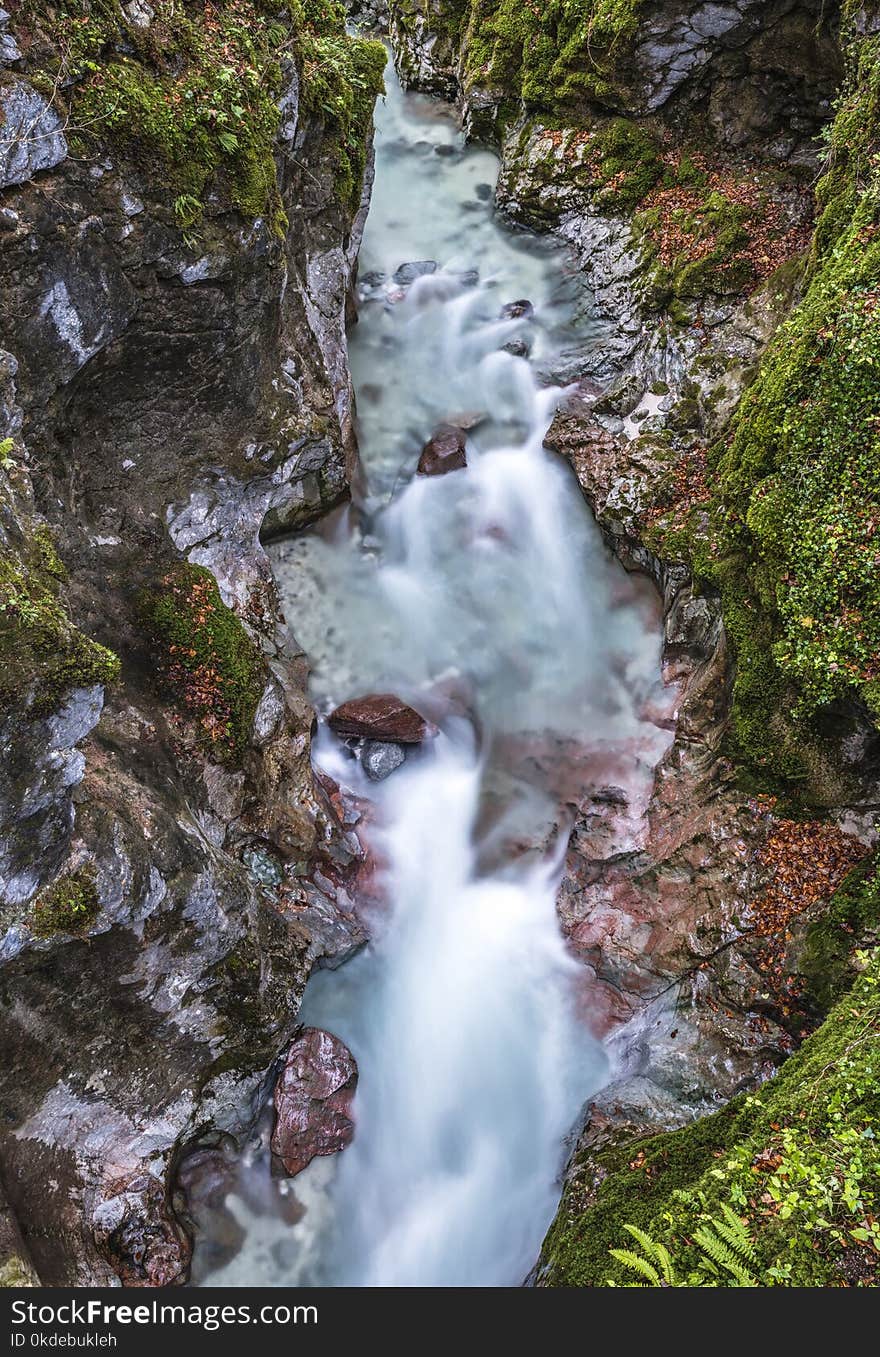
600 885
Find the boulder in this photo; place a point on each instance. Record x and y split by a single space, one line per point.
446 451
313 1100
379 716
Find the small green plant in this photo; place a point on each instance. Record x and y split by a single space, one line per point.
6 459
69 906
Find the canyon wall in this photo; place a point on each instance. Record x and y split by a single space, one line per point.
182 200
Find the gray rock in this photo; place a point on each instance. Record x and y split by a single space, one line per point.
31 139
140 13
408 273
9 52
380 760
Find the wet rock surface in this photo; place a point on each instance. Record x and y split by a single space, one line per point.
446 451
379 716
379 760
31 139
313 1099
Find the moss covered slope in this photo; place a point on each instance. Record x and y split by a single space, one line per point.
193 94
789 534
553 56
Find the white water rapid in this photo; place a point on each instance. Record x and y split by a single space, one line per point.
487 599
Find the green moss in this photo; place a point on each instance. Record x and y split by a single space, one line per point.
851 922
556 56
791 540
341 79
196 93
71 905
627 164
206 659
43 656
714 260
799 1161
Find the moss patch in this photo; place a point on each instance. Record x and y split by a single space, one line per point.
196 93
557 55
207 662
799 1161
828 962
43 656
70 906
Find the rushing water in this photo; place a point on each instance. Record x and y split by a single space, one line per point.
486 598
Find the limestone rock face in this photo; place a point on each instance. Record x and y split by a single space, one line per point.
31 139
161 396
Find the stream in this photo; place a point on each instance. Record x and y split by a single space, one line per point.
487 599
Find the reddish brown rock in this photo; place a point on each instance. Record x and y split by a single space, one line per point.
313 1100
446 451
379 716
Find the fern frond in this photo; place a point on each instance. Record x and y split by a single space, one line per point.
654 1249
720 1253
736 1233
635 1263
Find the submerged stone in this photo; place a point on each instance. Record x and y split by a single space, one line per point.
446 451
379 759
408 273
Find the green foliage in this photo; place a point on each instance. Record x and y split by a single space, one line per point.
197 92
71 905
796 1164
206 659
43 656
653 1265
341 79
725 1247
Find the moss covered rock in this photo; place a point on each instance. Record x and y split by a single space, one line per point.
793 535
44 656
197 91
207 662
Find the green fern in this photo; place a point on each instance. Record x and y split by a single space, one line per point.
725 1244
727 1248
657 1254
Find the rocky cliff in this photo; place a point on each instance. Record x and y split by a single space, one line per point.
180 216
